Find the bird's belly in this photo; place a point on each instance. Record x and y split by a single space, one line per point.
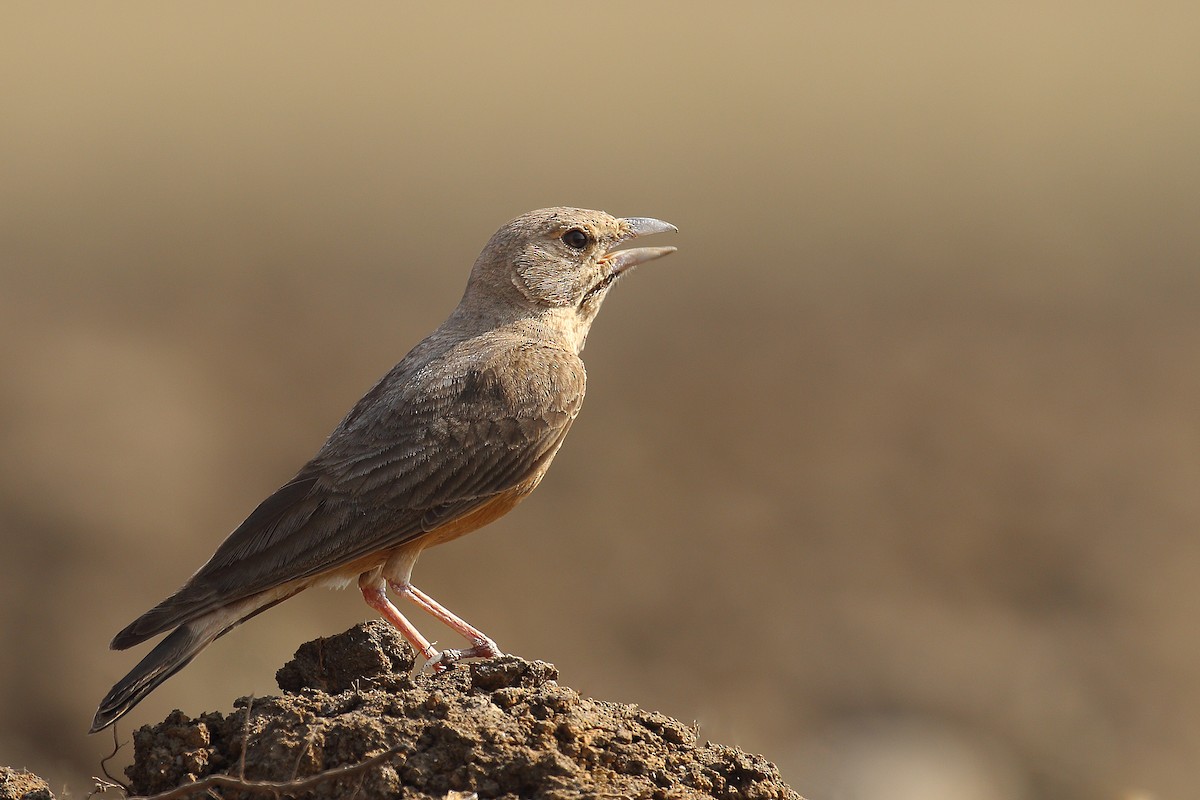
491 511
485 514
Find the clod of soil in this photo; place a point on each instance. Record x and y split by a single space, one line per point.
17 784
353 721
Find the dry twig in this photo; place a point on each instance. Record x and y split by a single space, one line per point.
103 785
245 738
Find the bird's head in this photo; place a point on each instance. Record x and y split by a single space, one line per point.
562 260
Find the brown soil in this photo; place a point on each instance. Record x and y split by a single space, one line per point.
502 728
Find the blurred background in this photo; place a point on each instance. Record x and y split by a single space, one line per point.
890 474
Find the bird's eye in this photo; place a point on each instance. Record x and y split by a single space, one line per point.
576 239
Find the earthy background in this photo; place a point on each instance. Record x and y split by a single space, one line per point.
892 473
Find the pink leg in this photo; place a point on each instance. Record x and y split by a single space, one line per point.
482 645
376 599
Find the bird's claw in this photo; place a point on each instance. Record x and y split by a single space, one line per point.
483 648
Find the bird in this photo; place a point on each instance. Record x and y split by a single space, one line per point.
453 437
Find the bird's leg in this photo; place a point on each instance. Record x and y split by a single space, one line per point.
482 645
372 591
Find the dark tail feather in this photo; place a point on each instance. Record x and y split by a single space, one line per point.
181 646
171 655
163 617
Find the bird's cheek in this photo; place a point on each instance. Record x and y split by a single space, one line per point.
542 289
547 284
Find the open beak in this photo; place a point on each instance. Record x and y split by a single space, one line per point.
620 261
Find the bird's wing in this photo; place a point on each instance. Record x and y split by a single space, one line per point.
422 449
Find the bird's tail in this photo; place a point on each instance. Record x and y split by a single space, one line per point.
168 657
180 647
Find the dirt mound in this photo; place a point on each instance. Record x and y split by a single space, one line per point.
353 721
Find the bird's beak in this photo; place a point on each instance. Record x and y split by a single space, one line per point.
624 260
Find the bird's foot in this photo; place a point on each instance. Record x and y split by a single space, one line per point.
483 647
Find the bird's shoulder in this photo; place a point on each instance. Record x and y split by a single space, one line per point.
445 384
515 374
